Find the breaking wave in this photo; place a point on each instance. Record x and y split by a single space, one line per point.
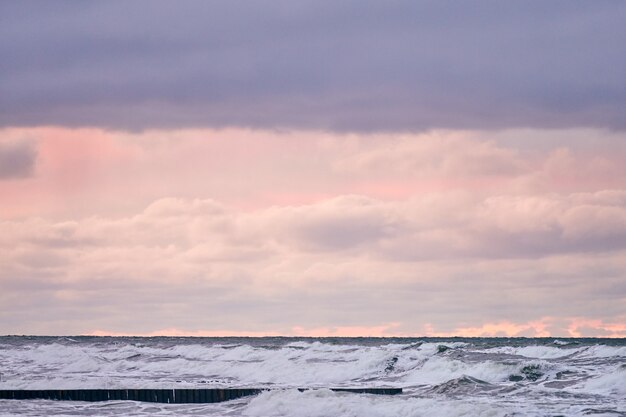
439 377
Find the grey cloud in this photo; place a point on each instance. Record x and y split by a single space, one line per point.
42 259
340 235
342 231
399 65
501 227
17 159
466 293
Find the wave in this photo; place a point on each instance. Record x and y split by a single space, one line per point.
553 352
463 385
482 377
611 383
418 366
318 403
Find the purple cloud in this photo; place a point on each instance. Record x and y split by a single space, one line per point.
401 65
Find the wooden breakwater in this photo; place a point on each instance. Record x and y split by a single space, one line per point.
172 396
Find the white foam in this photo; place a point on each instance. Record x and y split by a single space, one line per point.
138 366
537 352
437 370
553 352
324 403
603 351
299 364
611 383
596 376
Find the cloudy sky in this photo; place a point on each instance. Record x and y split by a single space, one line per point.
313 168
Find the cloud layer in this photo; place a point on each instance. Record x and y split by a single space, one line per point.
17 159
357 66
348 262
471 233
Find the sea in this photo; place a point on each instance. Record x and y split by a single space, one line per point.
439 376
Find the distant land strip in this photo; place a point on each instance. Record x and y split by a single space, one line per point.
171 396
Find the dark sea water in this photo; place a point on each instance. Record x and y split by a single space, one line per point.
440 377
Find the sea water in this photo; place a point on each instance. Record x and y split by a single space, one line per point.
440 377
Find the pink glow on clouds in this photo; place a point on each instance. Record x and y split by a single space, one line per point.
91 171
173 332
614 329
537 328
519 238
340 331
385 330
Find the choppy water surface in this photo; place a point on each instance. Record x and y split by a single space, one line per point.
440 377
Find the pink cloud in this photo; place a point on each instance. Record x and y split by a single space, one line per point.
92 171
317 224
536 328
604 329
385 330
174 332
545 327
347 249
506 328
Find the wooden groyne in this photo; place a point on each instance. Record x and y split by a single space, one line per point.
172 396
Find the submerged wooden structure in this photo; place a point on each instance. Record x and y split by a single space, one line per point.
172 396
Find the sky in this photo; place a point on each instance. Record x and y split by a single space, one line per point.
313 168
